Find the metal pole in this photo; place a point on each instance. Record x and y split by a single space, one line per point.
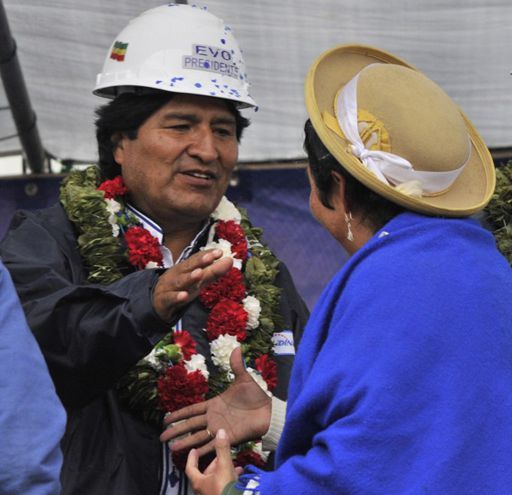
17 96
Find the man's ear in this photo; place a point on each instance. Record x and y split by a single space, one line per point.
118 147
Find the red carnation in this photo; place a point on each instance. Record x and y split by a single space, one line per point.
187 345
179 388
246 457
230 286
268 369
240 250
142 247
113 188
227 317
232 232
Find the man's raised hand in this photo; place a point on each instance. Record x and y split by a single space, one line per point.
181 283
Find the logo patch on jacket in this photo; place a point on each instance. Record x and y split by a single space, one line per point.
283 343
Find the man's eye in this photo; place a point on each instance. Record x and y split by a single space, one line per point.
179 127
222 131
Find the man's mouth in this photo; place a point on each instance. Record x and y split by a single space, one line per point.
201 175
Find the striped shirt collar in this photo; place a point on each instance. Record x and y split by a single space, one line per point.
157 232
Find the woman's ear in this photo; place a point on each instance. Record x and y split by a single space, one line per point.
338 191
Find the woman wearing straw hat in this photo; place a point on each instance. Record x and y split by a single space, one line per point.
403 380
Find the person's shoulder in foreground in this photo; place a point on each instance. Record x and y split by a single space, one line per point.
32 419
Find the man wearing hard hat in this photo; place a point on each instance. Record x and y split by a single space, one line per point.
144 278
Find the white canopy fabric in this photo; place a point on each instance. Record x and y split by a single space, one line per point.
464 45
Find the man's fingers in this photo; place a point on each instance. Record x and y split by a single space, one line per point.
181 284
184 277
200 260
192 425
201 277
194 440
236 362
185 413
220 444
208 256
184 273
217 270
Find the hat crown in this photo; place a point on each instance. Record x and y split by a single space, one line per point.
423 124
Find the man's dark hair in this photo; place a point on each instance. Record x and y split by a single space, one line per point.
125 114
376 211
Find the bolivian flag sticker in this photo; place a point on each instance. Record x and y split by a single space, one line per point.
119 51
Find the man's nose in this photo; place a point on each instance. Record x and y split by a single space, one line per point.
204 146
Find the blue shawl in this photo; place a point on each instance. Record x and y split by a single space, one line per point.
403 380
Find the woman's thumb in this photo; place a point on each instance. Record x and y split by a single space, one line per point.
223 448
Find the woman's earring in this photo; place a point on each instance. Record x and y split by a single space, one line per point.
348 220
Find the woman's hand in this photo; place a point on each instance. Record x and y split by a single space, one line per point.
218 474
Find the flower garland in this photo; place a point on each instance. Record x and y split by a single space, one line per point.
243 305
498 213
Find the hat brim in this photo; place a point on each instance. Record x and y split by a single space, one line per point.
472 189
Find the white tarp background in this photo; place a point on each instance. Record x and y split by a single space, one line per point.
464 45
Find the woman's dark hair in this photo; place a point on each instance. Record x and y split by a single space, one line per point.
376 211
125 114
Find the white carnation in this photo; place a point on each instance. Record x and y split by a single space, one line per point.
197 363
151 264
259 380
153 359
221 349
253 308
225 247
226 210
112 208
258 448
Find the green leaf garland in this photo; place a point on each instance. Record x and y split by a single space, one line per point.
106 260
498 212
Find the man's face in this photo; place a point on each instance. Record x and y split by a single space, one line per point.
178 167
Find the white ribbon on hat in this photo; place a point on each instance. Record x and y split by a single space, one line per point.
388 167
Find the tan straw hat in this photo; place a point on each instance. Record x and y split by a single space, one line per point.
398 132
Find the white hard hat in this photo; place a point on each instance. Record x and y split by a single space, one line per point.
179 48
